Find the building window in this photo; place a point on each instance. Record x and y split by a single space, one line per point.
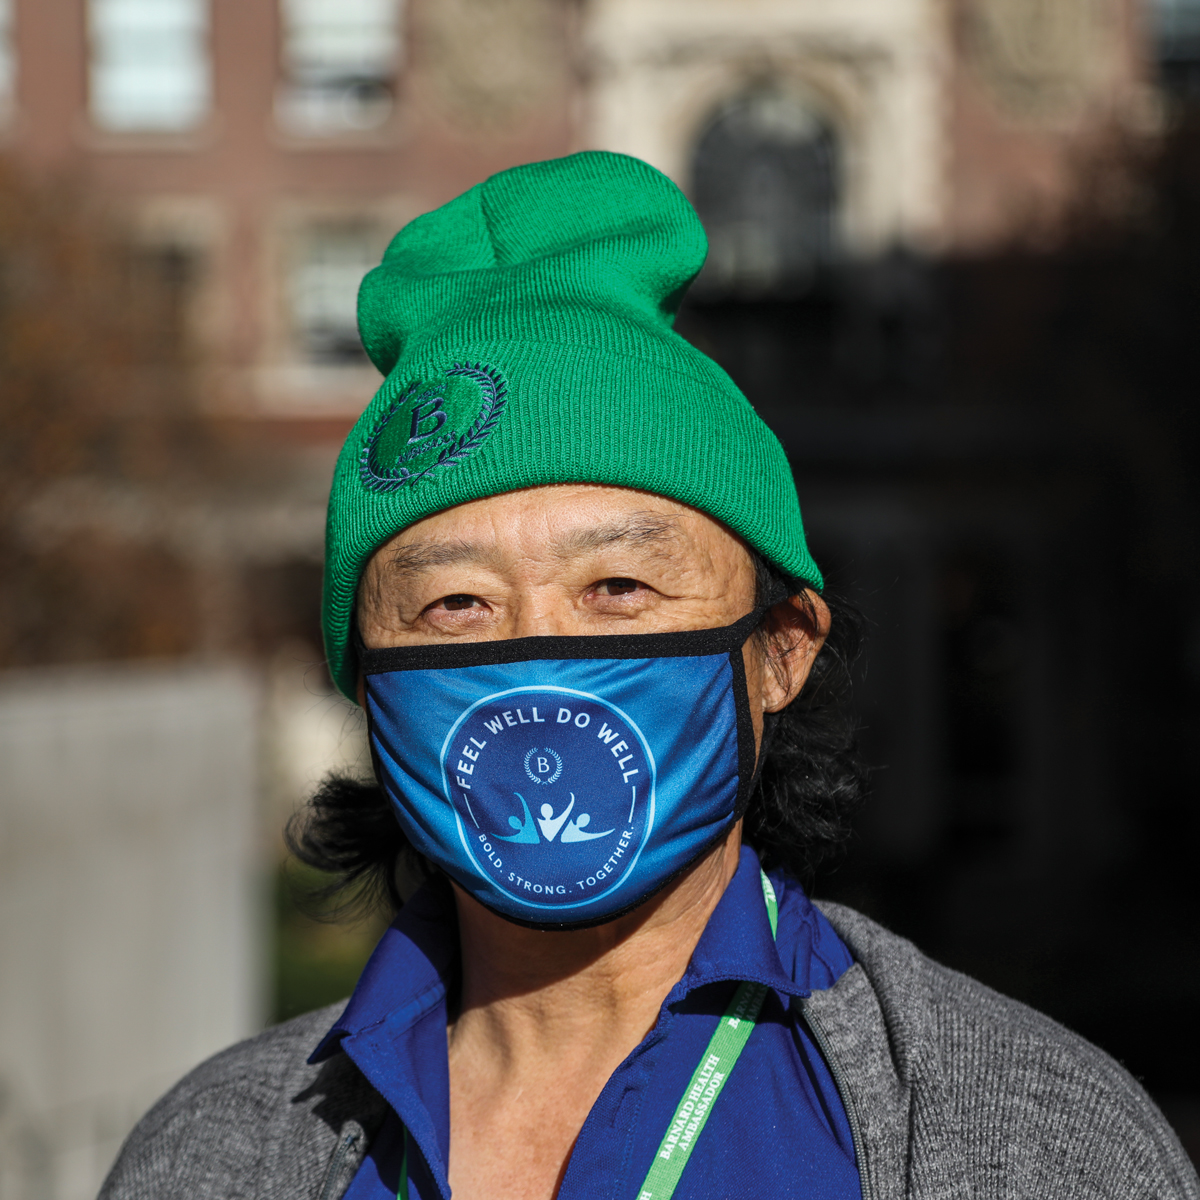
329 262
765 183
1177 38
340 59
8 61
150 69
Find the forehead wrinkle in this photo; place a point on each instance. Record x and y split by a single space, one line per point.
653 531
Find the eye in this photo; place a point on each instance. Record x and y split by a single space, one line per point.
455 603
617 587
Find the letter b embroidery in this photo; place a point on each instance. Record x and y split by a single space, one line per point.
432 408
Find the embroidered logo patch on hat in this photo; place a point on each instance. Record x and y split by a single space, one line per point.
432 425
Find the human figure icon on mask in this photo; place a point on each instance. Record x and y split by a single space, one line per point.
526 831
574 831
550 823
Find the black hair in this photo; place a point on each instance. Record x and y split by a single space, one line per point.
812 780
810 785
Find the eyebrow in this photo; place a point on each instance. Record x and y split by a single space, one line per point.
639 529
643 529
421 556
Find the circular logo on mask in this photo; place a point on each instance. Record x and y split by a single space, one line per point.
554 793
431 426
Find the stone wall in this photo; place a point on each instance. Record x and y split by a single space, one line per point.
131 924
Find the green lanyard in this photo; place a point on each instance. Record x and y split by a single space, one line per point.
717 1061
724 1047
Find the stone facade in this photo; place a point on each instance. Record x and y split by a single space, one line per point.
132 934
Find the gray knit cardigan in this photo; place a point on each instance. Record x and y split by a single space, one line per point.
952 1091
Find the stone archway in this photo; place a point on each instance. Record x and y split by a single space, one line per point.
766 181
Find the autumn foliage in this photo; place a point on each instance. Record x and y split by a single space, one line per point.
101 436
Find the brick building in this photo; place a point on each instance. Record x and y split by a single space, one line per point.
276 144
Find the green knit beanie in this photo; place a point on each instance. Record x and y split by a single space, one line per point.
525 330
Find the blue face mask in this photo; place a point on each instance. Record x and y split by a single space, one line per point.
563 780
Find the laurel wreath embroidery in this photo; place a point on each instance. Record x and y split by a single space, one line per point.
455 449
557 759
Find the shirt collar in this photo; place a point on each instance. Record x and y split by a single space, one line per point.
414 963
394 1026
737 943
408 972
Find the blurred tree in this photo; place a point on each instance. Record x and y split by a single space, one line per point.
101 435
131 524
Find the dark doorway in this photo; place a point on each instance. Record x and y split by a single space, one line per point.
765 181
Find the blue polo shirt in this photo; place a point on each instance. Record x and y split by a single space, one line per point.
778 1129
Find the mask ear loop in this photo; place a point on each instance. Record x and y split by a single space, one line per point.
776 594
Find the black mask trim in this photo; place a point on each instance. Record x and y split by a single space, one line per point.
688 643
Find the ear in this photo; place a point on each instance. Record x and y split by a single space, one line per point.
795 630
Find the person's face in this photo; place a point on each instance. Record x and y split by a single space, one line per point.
578 559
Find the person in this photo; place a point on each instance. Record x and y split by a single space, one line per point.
567 580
